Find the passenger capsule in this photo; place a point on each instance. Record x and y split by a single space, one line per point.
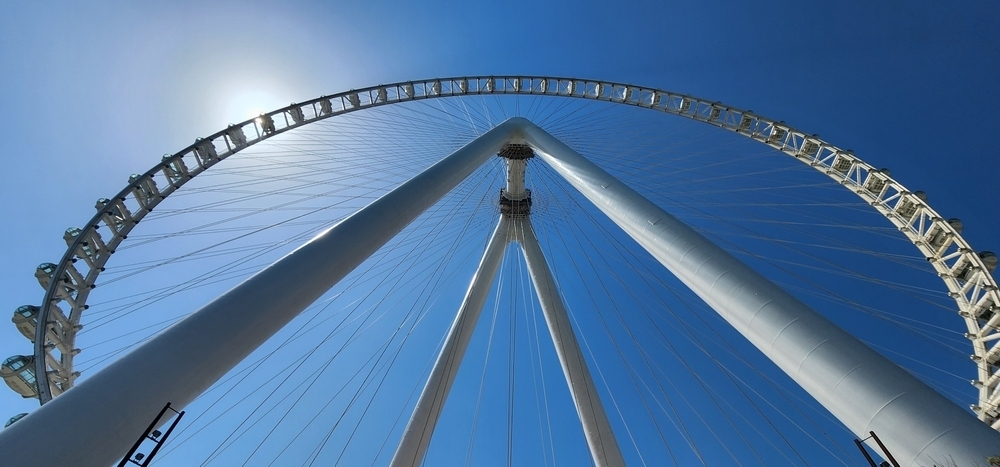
14 419
44 274
956 224
19 373
71 235
989 259
942 235
25 319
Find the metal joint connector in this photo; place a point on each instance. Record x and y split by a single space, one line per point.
515 208
516 151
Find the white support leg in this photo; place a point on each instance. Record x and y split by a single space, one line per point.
601 440
417 436
104 414
863 389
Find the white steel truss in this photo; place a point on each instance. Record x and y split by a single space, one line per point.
863 389
601 441
417 435
181 362
860 387
968 279
68 283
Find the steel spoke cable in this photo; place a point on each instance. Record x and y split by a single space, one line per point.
600 277
369 373
576 266
711 187
579 239
558 230
428 285
501 287
744 227
725 343
531 316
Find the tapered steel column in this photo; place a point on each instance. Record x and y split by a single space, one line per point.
417 436
863 389
600 439
103 415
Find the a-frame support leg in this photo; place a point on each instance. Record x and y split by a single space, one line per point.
863 389
417 436
600 439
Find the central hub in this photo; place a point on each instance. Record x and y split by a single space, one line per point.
515 199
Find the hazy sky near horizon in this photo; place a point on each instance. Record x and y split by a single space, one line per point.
92 92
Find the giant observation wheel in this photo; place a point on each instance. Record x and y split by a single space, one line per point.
477 104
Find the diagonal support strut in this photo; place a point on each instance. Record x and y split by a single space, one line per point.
864 390
514 225
417 436
596 428
107 411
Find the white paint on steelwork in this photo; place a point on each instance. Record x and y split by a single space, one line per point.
416 438
601 440
966 274
107 412
863 389
515 190
860 387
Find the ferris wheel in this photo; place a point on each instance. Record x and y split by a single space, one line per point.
792 205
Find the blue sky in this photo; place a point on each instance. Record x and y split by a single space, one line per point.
92 93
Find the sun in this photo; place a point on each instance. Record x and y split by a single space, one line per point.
250 102
240 98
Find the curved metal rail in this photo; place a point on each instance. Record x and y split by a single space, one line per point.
967 277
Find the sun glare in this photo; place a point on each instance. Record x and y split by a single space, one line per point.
249 103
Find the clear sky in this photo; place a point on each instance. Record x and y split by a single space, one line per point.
94 92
